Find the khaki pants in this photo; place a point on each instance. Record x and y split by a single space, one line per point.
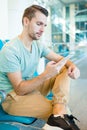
35 104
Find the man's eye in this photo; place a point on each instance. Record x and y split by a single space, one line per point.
38 23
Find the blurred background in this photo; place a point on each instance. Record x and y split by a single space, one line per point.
66 32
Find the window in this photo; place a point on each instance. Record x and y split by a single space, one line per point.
79 37
56 38
81 25
67 12
67 38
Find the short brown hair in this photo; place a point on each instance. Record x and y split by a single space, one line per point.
30 11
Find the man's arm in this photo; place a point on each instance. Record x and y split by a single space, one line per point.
73 70
55 57
22 87
52 56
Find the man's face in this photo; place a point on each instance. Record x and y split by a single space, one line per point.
36 25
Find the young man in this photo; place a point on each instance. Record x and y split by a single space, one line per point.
26 94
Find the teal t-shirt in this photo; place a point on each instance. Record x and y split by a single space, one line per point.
14 57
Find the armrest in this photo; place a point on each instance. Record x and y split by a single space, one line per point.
2 96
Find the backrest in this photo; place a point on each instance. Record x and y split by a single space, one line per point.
1 44
2 96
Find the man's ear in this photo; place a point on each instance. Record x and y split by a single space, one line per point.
26 21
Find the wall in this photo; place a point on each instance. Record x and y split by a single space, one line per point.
3 19
15 11
10 17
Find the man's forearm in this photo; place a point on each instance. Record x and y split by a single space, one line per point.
69 63
28 86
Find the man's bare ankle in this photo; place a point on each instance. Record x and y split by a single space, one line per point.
59 109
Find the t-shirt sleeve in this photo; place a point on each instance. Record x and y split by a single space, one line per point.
9 60
45 50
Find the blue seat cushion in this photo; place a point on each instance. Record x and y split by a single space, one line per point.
50 96
10 118
1 44
4 126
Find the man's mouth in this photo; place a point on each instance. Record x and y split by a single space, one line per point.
39 34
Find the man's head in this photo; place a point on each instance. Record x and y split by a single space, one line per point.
30 11
34 21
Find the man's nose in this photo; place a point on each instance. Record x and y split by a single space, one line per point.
42 28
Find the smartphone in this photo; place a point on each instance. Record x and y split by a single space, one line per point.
62 62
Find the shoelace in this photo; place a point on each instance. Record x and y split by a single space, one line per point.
72 117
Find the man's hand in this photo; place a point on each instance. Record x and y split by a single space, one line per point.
73 72
51 69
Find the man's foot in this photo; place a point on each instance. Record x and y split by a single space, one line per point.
61 123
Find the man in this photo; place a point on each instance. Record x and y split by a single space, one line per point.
27 93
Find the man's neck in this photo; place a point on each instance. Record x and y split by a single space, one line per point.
26 41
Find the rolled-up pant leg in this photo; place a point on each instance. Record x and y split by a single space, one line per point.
61 88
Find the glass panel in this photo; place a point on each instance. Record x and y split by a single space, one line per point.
67 12
67 38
